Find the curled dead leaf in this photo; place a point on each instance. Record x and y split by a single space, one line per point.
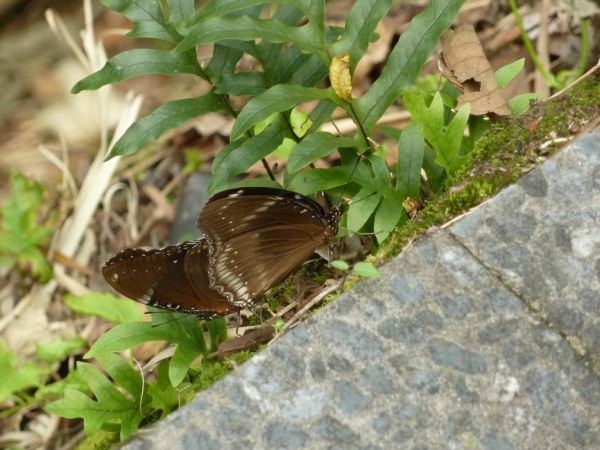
465 65
249 341
339 75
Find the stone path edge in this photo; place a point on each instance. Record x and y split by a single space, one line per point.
389 362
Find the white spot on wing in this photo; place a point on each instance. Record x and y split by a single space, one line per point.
237 193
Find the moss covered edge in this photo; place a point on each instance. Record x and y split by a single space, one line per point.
510 148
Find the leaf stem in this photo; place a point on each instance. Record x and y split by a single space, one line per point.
361 128
227 105
584 26
548 77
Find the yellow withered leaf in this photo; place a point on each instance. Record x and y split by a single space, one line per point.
339 75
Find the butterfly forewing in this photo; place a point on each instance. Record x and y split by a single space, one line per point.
159 278
239 211
259 236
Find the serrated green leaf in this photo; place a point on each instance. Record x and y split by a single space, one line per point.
291 66
163 118
310 73
73 380
315 146
271 54
20 234
16 378
300 123
78 405
57 349
506 74
382 176
389 213
148 18
391 132
314 10
320 114
223 61
101 386
183 330
313 180
362 207
365 269
340 265
163 395
436 175
150 30
122 373
238 156
246 28
360 26
411 148
136 10
180 363
521 103
242 83
220 8
106 306
134 63
447 143
310 181
255 182
411 51
36 262
217 330
128 335
180 9
111 405
454 136
274 100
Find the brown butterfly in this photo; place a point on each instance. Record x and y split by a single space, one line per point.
254 239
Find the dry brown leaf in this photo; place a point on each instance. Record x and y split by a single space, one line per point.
249 341
339 75
464 64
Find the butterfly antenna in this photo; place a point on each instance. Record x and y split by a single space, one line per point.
181 317
361 234
238 322
364 198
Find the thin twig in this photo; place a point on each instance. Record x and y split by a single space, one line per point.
541 86
588 74
316 299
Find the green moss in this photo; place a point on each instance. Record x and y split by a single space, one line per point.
275 296
207 373
100 440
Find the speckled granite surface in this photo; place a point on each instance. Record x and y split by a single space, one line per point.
484 335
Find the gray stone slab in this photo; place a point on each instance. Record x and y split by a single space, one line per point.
542 237
437 354
193 200
472 339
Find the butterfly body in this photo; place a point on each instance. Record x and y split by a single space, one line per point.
254 239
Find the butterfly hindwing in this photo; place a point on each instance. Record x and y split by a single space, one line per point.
158 278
